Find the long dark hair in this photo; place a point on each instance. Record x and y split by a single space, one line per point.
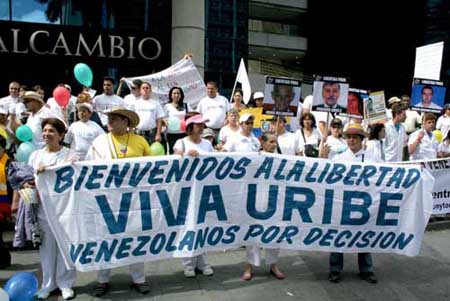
375 130
180 104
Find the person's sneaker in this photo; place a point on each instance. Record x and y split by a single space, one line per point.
67 293
42 294
141 288
100 289
369 277
189 273
334 277
207 271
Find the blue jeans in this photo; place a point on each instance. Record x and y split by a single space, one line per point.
364 262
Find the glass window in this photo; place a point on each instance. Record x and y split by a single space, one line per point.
4 10
35 11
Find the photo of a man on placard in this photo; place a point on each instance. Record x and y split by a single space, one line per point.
427 98
282 96
330 96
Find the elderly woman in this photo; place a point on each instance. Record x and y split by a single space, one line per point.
54 272
232 126
193 145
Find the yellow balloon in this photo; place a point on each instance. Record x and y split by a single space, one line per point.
438 135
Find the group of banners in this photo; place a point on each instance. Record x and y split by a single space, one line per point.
119 212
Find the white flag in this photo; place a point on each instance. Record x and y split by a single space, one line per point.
242 77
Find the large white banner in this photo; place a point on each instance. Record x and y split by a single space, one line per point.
182 74
111 214
440 169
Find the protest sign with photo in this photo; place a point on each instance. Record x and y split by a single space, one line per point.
375 108
355 103
330 94
427 95
108 214
281 96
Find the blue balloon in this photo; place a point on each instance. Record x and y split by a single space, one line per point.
24 151
21 286
83 74
24 133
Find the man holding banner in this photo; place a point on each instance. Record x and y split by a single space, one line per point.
117 144
354 136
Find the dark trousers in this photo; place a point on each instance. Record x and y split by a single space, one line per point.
364 262
172 138
5 256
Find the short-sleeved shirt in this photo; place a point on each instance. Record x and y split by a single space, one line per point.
215 109
172 112
185 145
394 141
314 139
104 103
81 135
443 124
149 112
287 143
426 149
34 121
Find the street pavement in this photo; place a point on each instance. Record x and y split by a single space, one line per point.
425 277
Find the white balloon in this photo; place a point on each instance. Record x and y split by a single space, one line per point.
3 295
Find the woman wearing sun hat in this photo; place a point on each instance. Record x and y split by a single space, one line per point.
120 143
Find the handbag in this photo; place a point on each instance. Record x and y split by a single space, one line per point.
309 149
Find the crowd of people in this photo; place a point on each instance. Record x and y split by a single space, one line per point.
108 126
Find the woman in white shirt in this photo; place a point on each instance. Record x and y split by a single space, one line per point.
308 136
81 133
54 272
193 145
231 128
374 146
269 145
334 142
175 111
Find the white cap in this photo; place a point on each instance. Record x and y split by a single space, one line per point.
86 105
394 99
246 116
258 95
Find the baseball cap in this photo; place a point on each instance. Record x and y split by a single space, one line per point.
196 119
246 116
258 95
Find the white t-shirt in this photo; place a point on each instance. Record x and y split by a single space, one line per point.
226 133
34 121
241 143
149 112
104 103
55 108
314 139
412 118
443 124
337 146
172 112
215 109
9 103
426 149
130 100
81 134
185 145
288 143
394 142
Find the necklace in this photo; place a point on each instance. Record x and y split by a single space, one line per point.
123 148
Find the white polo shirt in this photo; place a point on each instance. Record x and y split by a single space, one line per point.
241 143
104 103
215 109
394 142
426 149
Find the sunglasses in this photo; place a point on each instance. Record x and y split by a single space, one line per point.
249 122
